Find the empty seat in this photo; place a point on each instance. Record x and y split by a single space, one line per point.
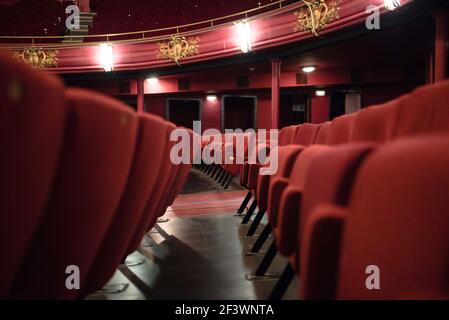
151 141
397 223
149 215
92 173
286 158
306 134
425 111
341 129
32 122
323 133
377 123
286 135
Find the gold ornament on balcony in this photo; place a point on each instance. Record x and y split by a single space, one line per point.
38 58
316 15
178 48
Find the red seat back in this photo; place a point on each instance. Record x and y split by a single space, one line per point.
398 220
139 188
341 129
425 111
92 173
32 121
306 134
323 133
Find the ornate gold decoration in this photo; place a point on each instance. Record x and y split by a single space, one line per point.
38 58
316 15
178 48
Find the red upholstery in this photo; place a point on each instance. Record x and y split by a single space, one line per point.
147 162
290 201
286 159
377 123
306 134
286 135
151 206
341 129
425 111
32 121
92 173
323 133
398 220
329 180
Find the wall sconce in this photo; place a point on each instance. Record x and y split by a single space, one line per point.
211 98
392 4
106 57
244 34
320 93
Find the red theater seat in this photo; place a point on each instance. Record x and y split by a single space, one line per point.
341 129
92 173
425 111
286 135
397 220
286 159
150 216
323 133
151 141
377 123
32 122
306 134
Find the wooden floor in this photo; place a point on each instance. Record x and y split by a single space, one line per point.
198 254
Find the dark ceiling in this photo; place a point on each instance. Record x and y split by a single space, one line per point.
47 17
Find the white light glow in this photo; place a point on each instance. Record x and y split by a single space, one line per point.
244 34
106 57
320 93
392 4
153 80
211 98
309 69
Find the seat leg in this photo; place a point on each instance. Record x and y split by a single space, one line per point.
214 171
283 283
261 240
228 182
245 202
211 167
255 224
222 176
250 212
261 270
218 173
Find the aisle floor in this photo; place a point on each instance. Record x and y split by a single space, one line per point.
200 253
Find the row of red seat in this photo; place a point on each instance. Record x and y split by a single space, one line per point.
368 188
82 179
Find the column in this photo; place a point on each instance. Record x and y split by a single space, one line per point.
275 92
441 45
140 95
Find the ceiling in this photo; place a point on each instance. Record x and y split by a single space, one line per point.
47 17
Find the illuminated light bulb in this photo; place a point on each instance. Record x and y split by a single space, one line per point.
309 69
244 34
211 98
106 57
153 80
392 4
320 93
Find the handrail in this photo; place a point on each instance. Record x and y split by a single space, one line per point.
211 22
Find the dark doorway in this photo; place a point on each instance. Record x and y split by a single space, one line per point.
293 109
183 112
239 112
337 104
